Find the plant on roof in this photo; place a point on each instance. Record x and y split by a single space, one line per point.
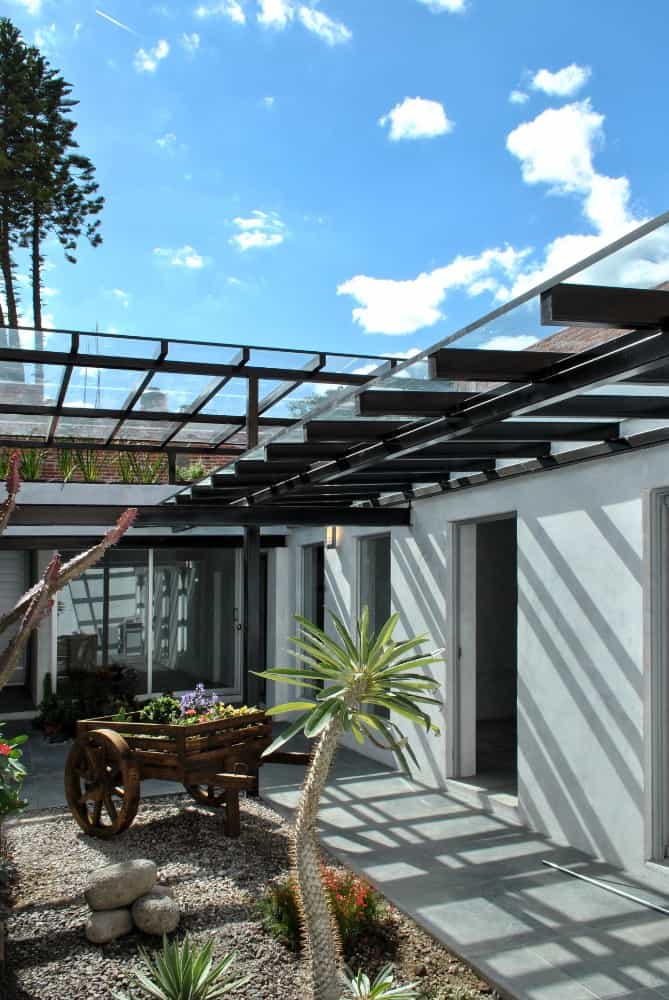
189 473
361 674
67 464
141 467
88 464
32 464
37 602
185 972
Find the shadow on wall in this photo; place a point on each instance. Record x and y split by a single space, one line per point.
580 700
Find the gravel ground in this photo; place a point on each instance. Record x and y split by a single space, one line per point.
216 881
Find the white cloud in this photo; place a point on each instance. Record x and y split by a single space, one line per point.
186 256
329 31
557 146
445 6
269 101
147 60
190 42
260 230
112 20
518 97
417 118
275 13
232 9
564 83
121 297
45 37
399 307
507 342
167 141
32 6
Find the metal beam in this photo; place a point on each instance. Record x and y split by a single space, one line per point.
633 355
411 403
253 595
477 365
603 306
344 430
208 393
137 394
307 454
171 515
64 386
630 407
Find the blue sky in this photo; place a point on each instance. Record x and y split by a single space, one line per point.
353 175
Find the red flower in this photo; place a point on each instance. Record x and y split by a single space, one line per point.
5 749
189 711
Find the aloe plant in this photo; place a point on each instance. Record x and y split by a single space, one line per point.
67 464
382 988
184 972
350 677
140 467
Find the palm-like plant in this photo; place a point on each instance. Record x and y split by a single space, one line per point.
351 676
382 988
182 972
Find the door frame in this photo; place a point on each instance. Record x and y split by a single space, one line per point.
461 706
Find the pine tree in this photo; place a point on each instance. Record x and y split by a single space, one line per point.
62 190
14 157
47 187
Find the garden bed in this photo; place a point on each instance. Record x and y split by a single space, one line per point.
217 883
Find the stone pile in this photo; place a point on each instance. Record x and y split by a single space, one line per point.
125 896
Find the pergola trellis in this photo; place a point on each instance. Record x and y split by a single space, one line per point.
328 439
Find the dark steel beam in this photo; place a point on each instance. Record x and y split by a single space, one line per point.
412 403
196 515
138 416
90 445
307 454
253 596
630 407
632 355
603 306
270 373
517 431
477 365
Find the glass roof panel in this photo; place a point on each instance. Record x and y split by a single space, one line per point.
203 433
26 383
114 346
20 425
303 399
231 400
172 393
353 365
84 428
141 432
211 354
101 388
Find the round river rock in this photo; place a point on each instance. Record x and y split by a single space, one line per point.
107 925
120 885
156 912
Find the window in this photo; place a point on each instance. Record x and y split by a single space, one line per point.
374 591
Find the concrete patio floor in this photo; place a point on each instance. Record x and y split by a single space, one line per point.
475 881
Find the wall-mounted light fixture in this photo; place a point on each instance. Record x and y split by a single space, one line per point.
331 537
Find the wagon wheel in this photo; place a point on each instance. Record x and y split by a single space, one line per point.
102 783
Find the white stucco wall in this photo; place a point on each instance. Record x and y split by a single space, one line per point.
580 635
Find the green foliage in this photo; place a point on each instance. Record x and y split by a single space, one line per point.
4 463
141 467
88 464
356 907
67 464
86 694
184 972
189 473
163 710
32 464
381 988
361 672
12 774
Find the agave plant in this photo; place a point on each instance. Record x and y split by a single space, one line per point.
382 988
350 677
183 972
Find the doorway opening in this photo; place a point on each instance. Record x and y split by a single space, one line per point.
487 681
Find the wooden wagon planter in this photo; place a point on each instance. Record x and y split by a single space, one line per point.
214 761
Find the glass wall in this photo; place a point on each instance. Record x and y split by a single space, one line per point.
196 619
175 609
